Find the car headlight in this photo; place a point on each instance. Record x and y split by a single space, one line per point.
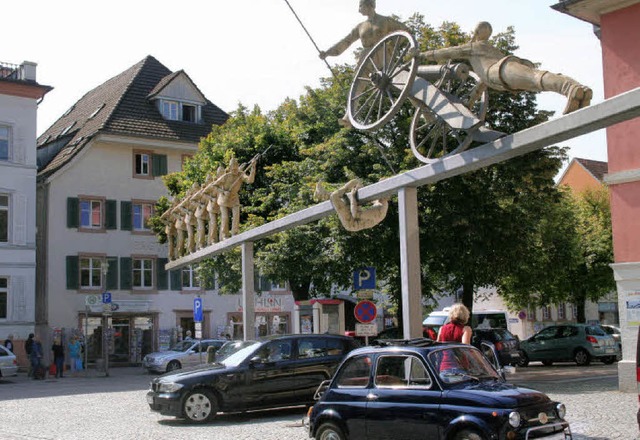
169 387
561 409
514 419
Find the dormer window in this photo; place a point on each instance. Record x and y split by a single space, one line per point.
180 111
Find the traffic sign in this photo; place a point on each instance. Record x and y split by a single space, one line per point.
365 311
364 278
366 330
106 298
92 300
197 309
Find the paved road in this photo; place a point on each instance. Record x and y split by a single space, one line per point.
114 407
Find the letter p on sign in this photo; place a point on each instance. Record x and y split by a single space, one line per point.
364 278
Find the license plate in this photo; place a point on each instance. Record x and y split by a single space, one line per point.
609 350
149 399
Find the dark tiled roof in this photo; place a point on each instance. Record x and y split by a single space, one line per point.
126 110
597 168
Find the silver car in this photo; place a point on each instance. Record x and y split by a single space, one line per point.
186 353
8 362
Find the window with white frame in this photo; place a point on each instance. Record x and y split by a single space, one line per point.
5 142
562 311
143 273
4 297
4 218
142 212
91 214
91 272
546 313
190 278
170 110
574 311
188 113
142 165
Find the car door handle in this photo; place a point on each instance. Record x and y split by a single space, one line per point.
372 396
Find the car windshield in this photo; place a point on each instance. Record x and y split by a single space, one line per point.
231 347
434 320
182 346
462 364
239 356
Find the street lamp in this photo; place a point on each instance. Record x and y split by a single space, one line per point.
104 267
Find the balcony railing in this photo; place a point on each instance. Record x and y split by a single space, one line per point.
10 71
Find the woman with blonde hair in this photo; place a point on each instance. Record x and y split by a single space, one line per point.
456 330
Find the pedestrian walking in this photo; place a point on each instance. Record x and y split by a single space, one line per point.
28 344
58 356
75 360
38 371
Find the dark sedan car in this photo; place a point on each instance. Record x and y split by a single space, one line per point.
506 346
435 391
273 372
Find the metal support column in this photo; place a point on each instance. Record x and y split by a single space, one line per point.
410 262
248 292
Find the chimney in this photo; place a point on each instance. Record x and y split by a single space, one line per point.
28 71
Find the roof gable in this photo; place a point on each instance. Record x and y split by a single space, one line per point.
178 86
121 106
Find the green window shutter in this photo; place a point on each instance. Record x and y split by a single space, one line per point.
112 273
125 216
73 267
125 273
111 220
73 212
176 279
159 164
162 280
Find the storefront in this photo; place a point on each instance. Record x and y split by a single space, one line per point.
130 333
270 318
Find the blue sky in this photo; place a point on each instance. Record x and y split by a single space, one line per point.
255 52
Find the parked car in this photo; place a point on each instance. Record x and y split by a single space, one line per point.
396 333
8 362
272 372
231 347
435 391
506 345
186 353
614 332
580 343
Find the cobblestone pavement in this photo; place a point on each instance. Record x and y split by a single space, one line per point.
97 407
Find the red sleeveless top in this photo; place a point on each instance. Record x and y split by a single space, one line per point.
451 332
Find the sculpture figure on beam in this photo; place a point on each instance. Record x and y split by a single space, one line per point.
353 216
509 73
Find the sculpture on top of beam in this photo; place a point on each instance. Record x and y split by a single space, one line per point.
353 216
509 73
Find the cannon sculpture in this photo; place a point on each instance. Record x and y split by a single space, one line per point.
450 100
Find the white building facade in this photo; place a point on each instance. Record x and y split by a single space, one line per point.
19 98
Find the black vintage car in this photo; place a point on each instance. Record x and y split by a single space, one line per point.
429 390
272 372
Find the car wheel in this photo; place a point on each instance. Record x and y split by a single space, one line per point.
468 435
329 431
547 363
173 365
200 406
581 357
609 360
523 361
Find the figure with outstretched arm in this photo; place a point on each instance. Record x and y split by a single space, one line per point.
353 216
369 32
510 73
228 185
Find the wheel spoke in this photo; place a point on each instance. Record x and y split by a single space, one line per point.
367 101
370 89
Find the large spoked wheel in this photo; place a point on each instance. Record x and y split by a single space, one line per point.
382 81
431 138
330 431
200 406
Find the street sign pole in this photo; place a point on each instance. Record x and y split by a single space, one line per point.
106 312
197 318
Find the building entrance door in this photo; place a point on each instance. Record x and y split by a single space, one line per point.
120 331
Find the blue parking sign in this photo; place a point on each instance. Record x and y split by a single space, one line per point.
197 309
364 278
106 298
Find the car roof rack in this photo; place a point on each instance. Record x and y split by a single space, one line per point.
415 342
